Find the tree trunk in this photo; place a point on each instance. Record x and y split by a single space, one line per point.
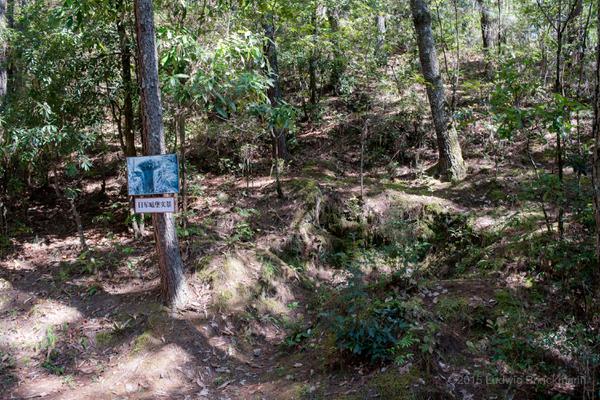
451 165
77 219
558 88
557 77
180 127
276 166
312 63
574 32
487 34
3 59
339 63
596 162
128 129
274 92
381 30
173 283
500 37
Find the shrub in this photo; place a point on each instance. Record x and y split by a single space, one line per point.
371 329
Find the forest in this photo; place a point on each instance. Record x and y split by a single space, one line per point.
300 199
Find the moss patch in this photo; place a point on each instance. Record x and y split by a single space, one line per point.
104 338
143 342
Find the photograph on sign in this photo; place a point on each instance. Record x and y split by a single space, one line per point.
152 175
155 205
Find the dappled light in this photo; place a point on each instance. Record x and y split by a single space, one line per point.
299 200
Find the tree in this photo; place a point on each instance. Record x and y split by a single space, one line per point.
596 152
564 15
487 22
173 284
381 30
128 132
339 63
314 56
274 92
3 60
450 164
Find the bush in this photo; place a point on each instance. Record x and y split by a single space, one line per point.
371 329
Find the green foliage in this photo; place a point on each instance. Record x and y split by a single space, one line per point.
51 366
58 112
297 337
48 346
514 86
400 352
5 244
371 329
92 290
219 78
7 362
243 232
189 231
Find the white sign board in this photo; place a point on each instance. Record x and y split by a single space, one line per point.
155 205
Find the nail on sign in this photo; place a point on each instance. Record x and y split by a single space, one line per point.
155 205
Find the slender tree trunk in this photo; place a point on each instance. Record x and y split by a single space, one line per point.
173 283
558 88
456 77
274 92
339 62
381 31
128 129
363 137
573 33
138 221
312 64
451 165
5 21
73 208
3 58
443 44
276 166
77 219
596 161
500 38
558 77
180 124
560 24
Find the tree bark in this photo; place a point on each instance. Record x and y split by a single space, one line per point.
596 161
274 92
559 89
180 128
3 59
128 129
339 62
173 284
487 22
381 31
574 32
312 63
77 219
450 165
500 37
